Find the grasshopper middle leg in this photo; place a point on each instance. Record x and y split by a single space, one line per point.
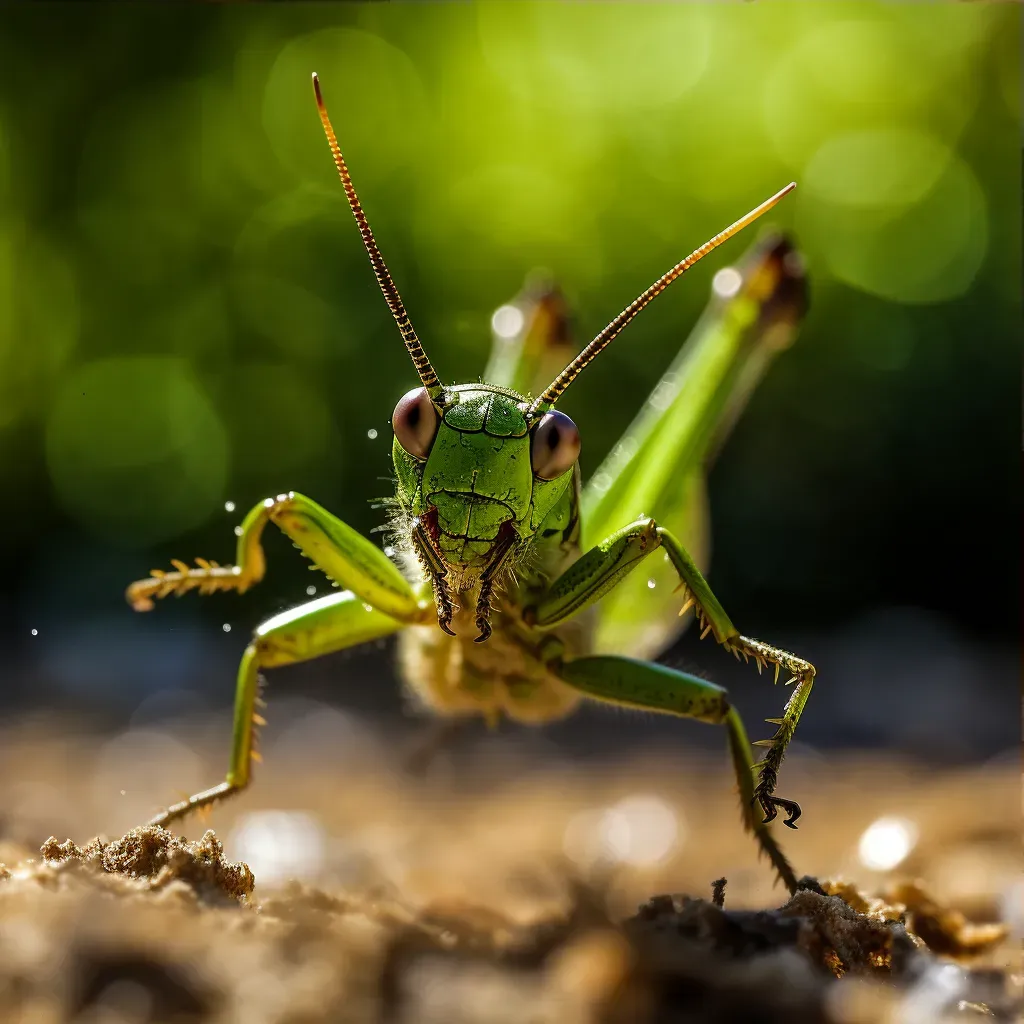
319 627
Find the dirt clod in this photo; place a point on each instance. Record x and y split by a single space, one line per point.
718 892
945 931
151 858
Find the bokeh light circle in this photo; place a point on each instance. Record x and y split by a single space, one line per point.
839 75
597 58
135 449
875 168
896 214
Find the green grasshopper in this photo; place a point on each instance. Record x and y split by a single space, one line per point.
500 556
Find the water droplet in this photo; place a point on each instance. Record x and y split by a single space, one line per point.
123 792
726 283
372 434
226 627
886 843
651 584
507 321
238 531
311 590
35 632
229 506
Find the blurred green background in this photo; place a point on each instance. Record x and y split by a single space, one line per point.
187 317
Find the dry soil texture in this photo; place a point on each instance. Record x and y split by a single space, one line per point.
511 889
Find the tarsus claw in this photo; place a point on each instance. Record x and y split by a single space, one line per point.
771 804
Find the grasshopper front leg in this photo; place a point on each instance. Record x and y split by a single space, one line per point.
379 601
602 567
343 554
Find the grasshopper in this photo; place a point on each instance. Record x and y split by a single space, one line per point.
499 556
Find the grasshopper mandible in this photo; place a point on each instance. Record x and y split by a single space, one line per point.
500 555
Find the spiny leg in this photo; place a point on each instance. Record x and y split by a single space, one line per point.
339 551
652 687
598 570
301 634
711 617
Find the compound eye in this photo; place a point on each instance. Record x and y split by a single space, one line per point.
555 447
415 422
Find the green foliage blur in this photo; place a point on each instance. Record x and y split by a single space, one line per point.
187 317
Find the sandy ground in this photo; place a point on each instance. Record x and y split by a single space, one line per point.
500 886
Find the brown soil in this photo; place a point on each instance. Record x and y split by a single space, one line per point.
452 899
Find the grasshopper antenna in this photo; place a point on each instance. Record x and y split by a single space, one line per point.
569 374
387 285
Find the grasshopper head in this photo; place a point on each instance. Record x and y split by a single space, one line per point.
476 478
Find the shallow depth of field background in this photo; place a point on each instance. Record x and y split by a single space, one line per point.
187 319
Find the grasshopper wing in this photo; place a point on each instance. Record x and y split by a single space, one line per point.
658 467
